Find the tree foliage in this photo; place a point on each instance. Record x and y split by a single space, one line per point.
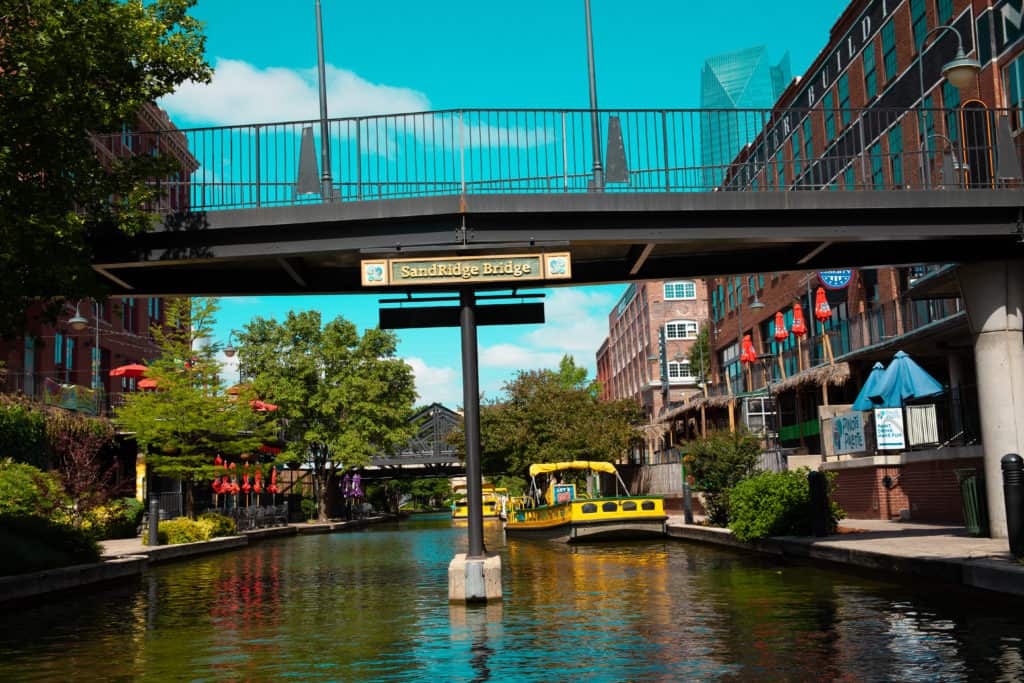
190 418
550 416
700 355
69 68
717 463
343 397
77 443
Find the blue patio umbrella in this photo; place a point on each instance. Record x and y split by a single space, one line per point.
863 402
903 380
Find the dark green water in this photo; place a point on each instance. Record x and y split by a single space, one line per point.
371 606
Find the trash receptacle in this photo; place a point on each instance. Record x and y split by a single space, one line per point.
972 495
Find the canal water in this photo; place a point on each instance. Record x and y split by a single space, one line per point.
372 606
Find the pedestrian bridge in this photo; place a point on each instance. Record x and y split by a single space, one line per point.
292 208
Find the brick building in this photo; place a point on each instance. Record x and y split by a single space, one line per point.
646 354
54 363
856 120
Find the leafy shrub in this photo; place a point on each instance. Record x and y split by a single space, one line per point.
774 504
717 463
117 519
181 530
33 544
217 525
28 491
23 433
308 506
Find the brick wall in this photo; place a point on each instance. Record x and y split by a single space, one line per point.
929 490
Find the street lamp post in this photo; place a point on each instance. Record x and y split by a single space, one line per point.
754 306
326 184
960 72
597 183
79 323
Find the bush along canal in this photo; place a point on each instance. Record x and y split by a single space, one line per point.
372 605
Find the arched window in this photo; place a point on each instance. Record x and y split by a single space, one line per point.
680 290
681 329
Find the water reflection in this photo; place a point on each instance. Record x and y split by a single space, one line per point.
372 606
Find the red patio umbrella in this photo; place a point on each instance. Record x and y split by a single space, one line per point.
747 352
262 407
781 333
822 311
799 329
132 370
147 383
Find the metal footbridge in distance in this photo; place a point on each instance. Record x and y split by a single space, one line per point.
256 211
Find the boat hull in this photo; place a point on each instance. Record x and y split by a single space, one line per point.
600 519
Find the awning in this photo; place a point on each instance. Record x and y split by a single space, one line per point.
544 468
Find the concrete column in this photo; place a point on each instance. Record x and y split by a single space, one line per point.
993 293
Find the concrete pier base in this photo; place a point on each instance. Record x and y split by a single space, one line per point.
994 294
474 580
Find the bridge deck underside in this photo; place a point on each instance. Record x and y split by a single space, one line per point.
612 237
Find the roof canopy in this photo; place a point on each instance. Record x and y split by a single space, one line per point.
544 468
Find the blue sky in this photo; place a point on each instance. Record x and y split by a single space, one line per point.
408 55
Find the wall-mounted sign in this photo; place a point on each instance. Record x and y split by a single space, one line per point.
889 429
835 279
459 270
848 434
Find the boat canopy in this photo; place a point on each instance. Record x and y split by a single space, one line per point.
544 468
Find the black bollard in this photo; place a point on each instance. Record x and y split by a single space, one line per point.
819 503
1013 493
154 522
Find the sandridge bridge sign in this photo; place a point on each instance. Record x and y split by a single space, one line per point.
504 183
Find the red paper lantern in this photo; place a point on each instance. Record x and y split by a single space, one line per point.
822 311
218 461
798 328
781 334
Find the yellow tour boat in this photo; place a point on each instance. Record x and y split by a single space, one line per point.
563 514
494 503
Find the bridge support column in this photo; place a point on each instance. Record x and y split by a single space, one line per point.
474 576
993 293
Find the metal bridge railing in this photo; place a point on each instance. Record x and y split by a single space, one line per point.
549 151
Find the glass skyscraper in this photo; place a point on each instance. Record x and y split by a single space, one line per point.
736 80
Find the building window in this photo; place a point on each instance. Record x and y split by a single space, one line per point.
153 309
128 314
830 120
680 370
1013 81
795 144
808 140
928 111
889 60
759 414
843 88
680 290
681 329
896 155
950 101
877 177
944 11
69 359
918 22
870 74
58 349
848 178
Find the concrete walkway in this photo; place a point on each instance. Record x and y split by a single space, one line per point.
935 551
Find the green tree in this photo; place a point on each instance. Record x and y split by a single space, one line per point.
68 68
190 419
343 397
700 355
717 463
551 416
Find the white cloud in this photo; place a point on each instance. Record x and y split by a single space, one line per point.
517 357
436 385
577 323
241 93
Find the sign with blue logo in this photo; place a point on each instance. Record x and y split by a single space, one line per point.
835 279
